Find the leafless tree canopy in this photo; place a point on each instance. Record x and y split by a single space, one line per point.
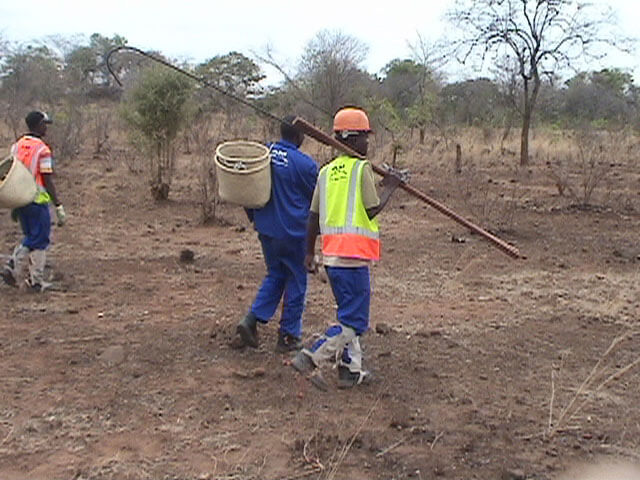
543 36
330 68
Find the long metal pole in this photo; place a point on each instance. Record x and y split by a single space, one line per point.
322 137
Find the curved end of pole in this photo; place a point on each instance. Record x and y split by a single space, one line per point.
115 50
108 62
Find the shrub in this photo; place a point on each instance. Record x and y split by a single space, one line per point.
579 174
157 107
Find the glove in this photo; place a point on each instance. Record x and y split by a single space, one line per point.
402 173
61 216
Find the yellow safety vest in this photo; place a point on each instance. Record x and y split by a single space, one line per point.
345 226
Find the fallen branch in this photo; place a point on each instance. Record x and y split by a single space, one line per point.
92 338
8 435
311 471
438 436
315 462
392 446
553 394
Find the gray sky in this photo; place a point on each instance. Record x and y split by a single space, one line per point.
198 30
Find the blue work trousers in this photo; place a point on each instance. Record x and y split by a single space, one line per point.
286 274
352 291
35 220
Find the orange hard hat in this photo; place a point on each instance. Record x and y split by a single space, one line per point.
351 119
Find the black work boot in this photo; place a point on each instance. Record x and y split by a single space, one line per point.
8 278
287 343
7 274
248 330
349 379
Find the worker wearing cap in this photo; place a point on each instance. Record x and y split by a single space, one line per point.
281 227
35 218
343 210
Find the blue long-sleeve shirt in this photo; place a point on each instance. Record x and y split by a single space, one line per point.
293 179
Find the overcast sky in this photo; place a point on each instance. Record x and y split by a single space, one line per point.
197 30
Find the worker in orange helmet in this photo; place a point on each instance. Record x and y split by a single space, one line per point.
344 211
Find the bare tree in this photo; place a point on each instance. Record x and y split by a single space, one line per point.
431 58
29 78
4 45
330 69
543 36
291 96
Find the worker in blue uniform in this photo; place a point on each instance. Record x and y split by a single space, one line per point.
281 227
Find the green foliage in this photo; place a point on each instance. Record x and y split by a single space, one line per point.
157 107
234 73
101 46
81 63
602 98
65 136
382 112
420 113
86 65
412 91
615 80
470 101
406 83
29 78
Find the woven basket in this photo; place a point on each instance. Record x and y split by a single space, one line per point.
17 185
244 173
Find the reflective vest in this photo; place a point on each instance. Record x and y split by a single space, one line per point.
345 226
29 150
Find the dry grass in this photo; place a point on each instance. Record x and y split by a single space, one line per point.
588 164
583 168
600 376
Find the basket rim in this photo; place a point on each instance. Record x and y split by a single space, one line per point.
247 143
253 169
13 166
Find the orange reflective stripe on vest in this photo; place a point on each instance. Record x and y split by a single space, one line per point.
351 245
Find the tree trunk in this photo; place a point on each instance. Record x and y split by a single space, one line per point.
524 138
526 123
529 105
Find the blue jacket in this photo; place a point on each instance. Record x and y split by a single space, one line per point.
293 179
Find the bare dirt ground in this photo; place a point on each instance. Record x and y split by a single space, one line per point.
486 367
